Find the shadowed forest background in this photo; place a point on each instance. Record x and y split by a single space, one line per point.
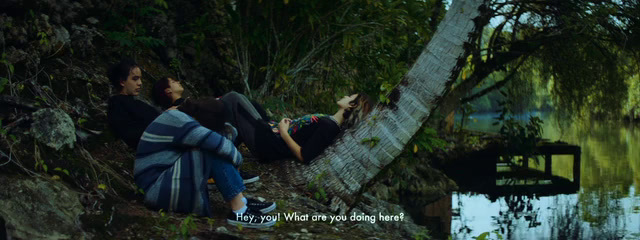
576 58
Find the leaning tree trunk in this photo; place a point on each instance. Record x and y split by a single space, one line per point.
348 164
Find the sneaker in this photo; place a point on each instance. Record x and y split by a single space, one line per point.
251 219
211 184
263 207
248 177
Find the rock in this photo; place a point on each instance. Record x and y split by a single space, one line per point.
61 36
92 20
312 204
39 209
82 39
54 128
222 230
254 187
16 55
294 235
381 191
264 237
304 230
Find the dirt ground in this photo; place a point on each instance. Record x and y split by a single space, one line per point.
130 219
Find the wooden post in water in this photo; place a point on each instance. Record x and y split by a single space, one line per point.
547 165
576 168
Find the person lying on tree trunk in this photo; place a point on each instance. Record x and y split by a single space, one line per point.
303 138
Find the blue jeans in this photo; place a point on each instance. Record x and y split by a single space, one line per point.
227 177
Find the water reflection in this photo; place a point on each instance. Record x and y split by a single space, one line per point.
607 205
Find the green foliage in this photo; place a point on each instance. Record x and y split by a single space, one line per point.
162 3
6 62
175 64
467 109
196 32
372 142
131 39
422 235
385 89
3 80
210 222
427 139
487 236
520 140
81 121
62 170
41 165
282 204
183 230
43 38
2 131
125 25
139 190
187 226
329 48
316 188
632 105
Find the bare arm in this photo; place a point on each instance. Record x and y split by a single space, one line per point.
283 126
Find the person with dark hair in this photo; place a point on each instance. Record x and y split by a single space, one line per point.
167 92
303 138
128 116
176 156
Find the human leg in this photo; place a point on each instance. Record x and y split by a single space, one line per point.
243 116
260 111
230 184
236 100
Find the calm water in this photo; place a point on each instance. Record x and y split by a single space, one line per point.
607 206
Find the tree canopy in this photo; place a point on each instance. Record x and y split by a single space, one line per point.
584 53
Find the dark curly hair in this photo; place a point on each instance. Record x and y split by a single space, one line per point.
119 72
158 94
362 105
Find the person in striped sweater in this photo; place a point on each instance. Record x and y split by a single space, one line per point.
176 155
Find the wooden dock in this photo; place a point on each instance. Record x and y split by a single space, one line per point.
481 174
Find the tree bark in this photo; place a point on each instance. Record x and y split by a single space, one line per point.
346 166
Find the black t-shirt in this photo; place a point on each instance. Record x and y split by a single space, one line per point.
128 117
313 139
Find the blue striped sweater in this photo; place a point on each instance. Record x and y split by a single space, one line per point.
169 161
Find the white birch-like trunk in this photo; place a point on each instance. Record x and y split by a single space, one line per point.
348 164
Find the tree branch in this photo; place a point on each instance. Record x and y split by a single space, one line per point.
17 102
494 86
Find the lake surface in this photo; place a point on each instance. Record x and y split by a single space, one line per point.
606 206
